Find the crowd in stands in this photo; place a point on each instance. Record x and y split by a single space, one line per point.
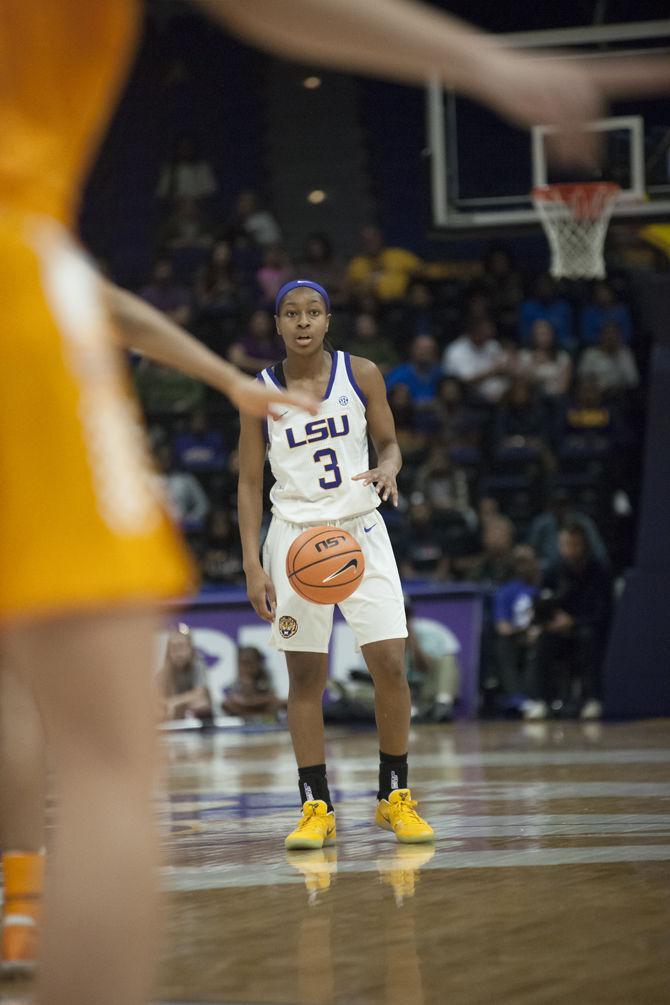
186 692
516 401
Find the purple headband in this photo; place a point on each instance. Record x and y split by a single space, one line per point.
297 284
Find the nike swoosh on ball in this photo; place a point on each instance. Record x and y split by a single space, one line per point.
352 562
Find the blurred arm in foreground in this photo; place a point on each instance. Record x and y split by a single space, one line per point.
141 327
413 43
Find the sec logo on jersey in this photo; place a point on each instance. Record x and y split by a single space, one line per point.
288 626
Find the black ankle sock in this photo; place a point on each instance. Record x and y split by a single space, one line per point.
392 773
313 784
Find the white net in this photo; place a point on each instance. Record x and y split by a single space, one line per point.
575 219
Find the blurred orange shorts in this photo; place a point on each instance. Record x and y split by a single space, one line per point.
82 521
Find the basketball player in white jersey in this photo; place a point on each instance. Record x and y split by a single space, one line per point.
322 476
389 38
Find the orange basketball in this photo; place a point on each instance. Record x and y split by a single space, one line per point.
325 565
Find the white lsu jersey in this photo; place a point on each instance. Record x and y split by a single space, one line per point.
314 458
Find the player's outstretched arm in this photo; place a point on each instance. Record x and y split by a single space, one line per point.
260 589
398 39
382 431
141 327
410 42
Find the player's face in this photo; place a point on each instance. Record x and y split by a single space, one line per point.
303 321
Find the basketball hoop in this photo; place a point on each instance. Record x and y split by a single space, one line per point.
575 218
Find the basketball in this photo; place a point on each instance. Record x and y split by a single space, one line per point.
325 565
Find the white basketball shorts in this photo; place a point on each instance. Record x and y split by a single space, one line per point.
376 609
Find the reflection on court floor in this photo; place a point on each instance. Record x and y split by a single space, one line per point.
549 880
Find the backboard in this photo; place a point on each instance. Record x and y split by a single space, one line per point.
482 169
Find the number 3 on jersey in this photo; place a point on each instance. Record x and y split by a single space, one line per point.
329 456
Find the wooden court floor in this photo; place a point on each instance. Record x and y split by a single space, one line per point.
549 881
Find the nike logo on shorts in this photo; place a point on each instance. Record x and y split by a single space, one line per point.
352 563
368 529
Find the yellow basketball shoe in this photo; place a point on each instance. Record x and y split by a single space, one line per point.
398 814
23 882
316 827
19 944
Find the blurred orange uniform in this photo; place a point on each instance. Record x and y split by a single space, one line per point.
82 523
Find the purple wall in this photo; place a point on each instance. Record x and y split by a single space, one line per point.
223 621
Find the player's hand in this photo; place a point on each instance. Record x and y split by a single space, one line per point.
261 593
531 91
383 479
553 91
254 398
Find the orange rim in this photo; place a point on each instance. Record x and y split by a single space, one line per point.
586 200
